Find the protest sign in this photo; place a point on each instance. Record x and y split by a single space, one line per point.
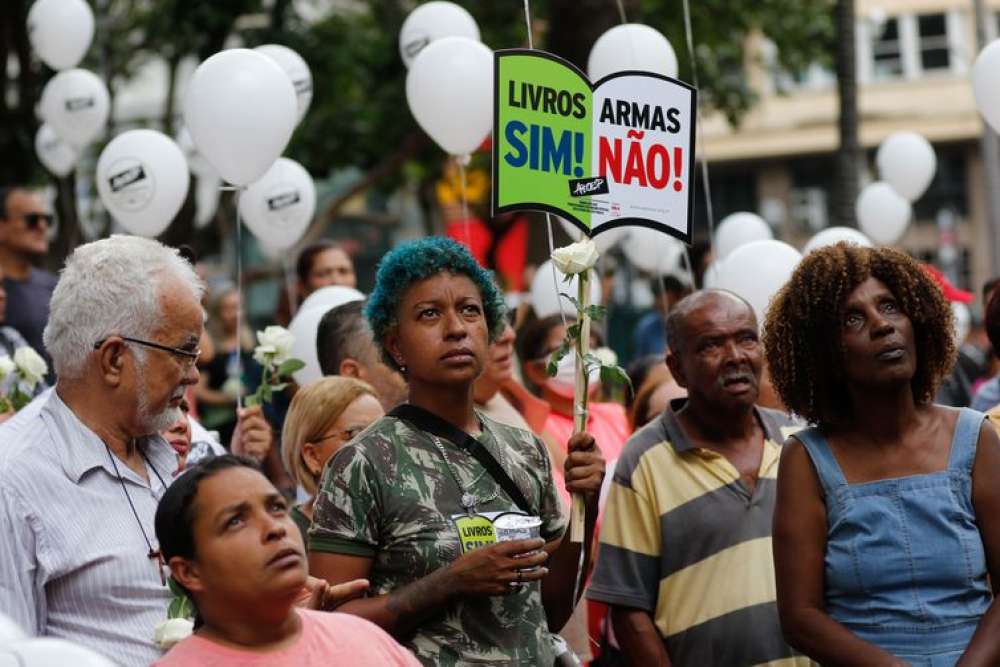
616 152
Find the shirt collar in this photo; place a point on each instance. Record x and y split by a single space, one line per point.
80 450
674 433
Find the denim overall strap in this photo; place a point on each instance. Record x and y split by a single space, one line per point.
827 469
963 444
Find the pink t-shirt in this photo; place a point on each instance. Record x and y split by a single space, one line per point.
326 639
607 422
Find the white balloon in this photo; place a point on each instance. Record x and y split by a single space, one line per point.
297 70
431 21
738 229
60 31
883 214
756 271
545 299
653 251
305 325
58 157
241 110
50 652
206 199
963 321
197 163
450 92
986 83
834 235
631 46
710 279
604 241
143 179
279 207
906 161
9 630
76 104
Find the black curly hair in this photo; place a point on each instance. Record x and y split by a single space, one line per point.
803 326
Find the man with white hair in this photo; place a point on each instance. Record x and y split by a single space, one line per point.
80 479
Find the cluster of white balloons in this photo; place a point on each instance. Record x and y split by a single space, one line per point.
75 103
449 86
906 164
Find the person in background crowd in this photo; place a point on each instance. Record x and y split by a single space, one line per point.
651 369
80 475
887 525
226 533
987 395
607 422
10 342
992 322
322 264
189 440
971 363
410 482
345 346
685 555
24 228
649 337
324 415
652 398
221 384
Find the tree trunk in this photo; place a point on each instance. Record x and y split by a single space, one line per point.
849 156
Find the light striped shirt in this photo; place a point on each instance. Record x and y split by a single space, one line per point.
73 561
685 539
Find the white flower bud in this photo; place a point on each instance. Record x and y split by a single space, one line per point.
576 257
172 631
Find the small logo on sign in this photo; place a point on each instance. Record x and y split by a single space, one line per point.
586 187
78 103
123 179
282 201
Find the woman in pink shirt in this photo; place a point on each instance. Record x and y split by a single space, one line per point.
226 534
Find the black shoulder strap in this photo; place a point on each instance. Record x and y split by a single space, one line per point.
430 422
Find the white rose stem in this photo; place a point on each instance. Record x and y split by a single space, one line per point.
461 161
577 507
238 190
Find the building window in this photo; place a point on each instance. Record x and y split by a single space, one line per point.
933 32
887 51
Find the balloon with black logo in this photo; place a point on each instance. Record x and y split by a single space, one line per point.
279 207
76 104
58 157
143 179
297 70
431 21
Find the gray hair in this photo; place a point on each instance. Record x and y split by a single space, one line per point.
111 286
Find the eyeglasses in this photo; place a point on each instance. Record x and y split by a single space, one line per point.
347 434
34 220
186 358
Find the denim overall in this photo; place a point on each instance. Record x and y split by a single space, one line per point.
905 565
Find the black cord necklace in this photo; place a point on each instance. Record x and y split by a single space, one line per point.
154 554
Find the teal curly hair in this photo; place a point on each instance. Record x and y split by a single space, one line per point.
412 262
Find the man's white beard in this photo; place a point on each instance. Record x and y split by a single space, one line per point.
155 423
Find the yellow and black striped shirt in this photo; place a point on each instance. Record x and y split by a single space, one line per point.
684 539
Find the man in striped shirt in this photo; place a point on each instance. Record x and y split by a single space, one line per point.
685 555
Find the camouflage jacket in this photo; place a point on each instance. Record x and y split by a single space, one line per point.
389 496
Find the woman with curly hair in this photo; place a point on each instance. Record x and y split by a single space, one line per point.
887 522
409 503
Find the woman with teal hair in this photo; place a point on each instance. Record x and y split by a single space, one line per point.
410 503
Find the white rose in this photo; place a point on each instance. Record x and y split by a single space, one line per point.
606 356
280 339
7 366
262 353
33 368
576 257
172 631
